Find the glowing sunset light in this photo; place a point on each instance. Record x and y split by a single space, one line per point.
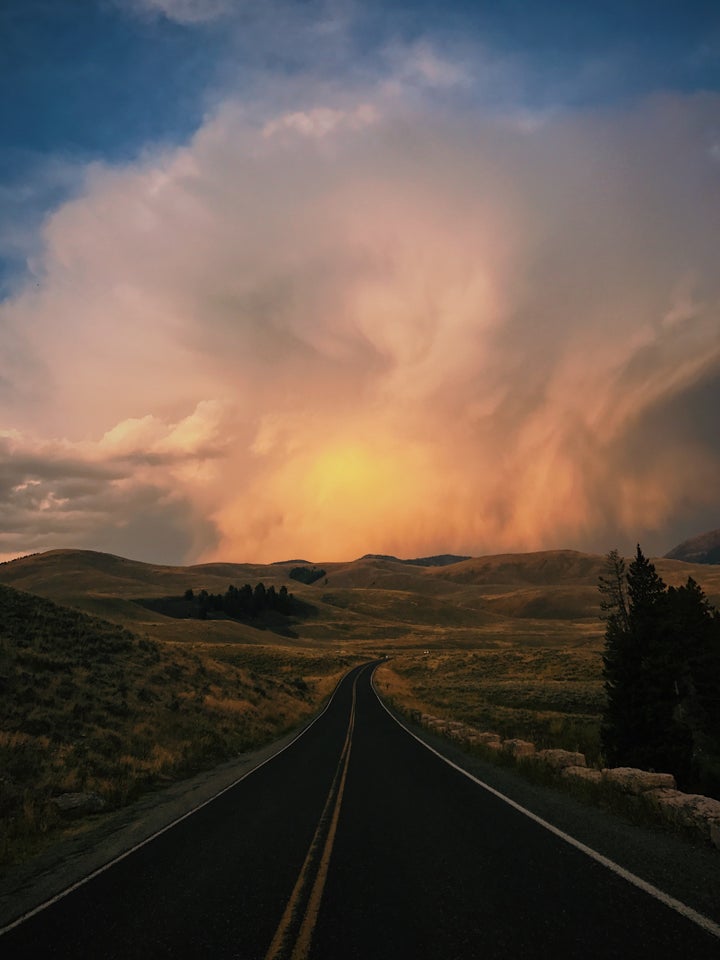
396 285
332 499
352 474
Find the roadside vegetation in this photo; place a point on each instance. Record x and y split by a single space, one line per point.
647 695
553 697
88 706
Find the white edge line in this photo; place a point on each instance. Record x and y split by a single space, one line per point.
682 908
142 843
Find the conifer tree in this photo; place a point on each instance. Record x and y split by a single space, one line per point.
636 723
613 591
620 669
661 668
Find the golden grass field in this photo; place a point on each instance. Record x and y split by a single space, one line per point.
103 694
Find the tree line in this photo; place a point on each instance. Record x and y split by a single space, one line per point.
242 603
661 670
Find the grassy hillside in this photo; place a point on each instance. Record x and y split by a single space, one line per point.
365 601
89 706
542 678
549 695
546 597
547 567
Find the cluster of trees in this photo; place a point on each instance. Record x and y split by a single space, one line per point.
243 603
306 575
662 674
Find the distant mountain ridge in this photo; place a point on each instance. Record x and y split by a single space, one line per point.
705 548
441 560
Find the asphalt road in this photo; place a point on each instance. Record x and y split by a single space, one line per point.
358 842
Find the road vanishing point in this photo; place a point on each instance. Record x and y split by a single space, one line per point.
358 840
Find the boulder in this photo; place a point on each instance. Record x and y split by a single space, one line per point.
519 748
581 773
435 723
457 731
688 810
559 759
486 737
635 781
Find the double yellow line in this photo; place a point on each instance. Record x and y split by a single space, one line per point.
294 933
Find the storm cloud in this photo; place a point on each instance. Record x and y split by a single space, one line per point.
366 319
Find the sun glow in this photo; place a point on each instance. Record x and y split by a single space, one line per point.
358 477
342 498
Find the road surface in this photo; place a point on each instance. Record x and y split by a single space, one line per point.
359 842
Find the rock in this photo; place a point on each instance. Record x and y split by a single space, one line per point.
689 810
559 759
635 781
457 731
519 748
662 798
486 737
78 804
582 773
439 726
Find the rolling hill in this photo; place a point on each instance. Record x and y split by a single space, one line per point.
369 599
550 593
704 548
90 707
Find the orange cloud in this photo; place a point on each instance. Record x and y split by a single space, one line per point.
370 325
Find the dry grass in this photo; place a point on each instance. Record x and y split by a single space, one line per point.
549 696
89 707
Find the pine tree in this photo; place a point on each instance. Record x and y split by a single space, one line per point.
634 721
617 718
694 627
661 668
613 592
645 592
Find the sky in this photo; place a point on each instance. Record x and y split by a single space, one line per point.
317 278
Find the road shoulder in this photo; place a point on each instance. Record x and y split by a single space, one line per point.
25 887
687 870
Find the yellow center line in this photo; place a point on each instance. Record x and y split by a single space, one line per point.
279 944
302 945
